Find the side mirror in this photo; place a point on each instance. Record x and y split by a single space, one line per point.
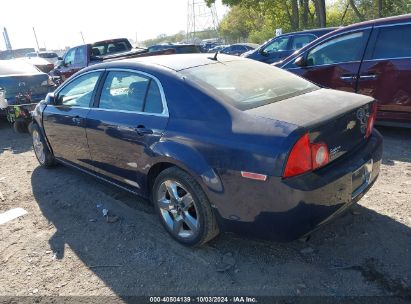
300 61
262 52
50 98
3 101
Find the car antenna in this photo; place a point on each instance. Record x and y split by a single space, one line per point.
214 57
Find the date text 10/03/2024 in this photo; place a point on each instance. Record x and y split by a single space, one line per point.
236 299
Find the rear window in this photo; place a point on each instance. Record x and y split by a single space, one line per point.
248 84
392 42
110 47
48 55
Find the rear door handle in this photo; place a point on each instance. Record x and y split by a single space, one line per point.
368 77
141 130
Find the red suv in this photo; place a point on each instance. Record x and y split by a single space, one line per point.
371 58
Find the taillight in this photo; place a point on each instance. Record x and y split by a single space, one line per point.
371 119
305 156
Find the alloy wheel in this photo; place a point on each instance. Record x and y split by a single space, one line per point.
38 147
178 209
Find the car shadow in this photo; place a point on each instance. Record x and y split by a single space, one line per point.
362 252
397 144
12 141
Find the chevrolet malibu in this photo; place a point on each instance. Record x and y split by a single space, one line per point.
217 142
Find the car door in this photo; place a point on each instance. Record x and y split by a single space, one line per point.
386 72
64 120
335 62
73 61
130 115
276 50
67 66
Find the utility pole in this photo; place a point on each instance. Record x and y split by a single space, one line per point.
7 40
37 42
200 17
82 37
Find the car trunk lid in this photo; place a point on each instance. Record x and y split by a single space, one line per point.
336 118
32 85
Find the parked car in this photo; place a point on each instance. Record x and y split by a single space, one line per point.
228 144
217 48
51 57
82 56
178 48
21 86
238 48
371 58
284 45
40 63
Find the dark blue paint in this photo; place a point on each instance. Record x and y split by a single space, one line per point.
213 142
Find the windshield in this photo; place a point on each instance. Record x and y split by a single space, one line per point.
248 84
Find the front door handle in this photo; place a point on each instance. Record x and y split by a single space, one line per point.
141 130
76 119
348 77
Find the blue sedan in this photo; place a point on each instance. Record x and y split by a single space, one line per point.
217 142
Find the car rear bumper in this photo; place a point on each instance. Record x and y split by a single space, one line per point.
286 209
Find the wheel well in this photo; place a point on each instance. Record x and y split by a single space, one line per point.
155 171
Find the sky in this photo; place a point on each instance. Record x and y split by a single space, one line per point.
58 23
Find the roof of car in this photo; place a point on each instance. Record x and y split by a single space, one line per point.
313 31
253 45
175 62
380 21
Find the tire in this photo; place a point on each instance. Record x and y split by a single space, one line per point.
42 152
189 219
20 126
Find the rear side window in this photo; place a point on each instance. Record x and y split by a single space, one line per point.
154 103
127 91
79 91
393 42
345 48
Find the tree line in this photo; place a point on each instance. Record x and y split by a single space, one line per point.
256 20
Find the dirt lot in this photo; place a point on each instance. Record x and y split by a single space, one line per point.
64 246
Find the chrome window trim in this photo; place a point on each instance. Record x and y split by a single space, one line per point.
393 24
57 92
323 65
389 58
165 112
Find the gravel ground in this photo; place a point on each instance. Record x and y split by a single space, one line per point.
64 246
